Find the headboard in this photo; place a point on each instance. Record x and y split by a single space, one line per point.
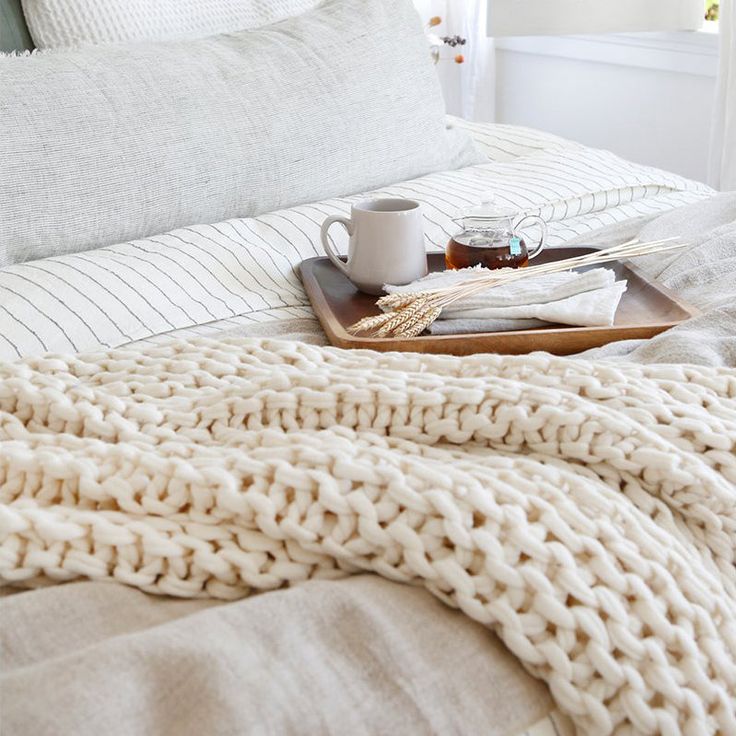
14 34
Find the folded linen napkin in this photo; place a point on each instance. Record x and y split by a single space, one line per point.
590 309
474 326
587 299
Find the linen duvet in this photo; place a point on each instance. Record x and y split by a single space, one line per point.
582 509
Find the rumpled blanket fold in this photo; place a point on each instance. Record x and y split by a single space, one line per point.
586 512
703 274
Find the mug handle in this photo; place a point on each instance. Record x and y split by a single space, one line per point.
348 225
542 241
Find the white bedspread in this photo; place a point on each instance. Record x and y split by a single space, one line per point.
208 278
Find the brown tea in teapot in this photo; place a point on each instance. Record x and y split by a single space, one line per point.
490 238
464 251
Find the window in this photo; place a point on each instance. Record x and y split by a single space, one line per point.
565 17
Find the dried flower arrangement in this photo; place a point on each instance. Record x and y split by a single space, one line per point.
437 43
408 315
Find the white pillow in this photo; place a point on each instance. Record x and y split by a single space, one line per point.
61 23
104 144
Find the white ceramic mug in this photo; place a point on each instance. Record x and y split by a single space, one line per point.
386 243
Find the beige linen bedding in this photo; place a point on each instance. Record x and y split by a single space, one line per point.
355 656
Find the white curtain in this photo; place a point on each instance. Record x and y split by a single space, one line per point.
469 88
477 74
723 144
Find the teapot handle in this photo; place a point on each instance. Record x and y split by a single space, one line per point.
542 240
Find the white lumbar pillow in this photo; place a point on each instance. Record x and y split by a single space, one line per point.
61 23
109 143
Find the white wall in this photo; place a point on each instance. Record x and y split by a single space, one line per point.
646 96
649 100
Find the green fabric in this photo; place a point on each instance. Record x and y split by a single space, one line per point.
14 35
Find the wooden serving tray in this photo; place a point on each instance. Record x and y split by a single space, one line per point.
645 310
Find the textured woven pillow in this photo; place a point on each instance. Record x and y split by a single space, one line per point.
110 143
57 23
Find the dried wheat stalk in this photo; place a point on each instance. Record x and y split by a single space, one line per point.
408 315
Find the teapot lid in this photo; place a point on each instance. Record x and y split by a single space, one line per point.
485 215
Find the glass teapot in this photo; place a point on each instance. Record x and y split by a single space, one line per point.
491 237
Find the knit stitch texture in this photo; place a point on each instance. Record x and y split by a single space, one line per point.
583 511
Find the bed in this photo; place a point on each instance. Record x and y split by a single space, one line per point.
141 292
137 375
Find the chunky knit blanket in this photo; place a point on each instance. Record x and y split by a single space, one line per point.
584 511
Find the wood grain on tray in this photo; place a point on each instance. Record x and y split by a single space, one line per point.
646 309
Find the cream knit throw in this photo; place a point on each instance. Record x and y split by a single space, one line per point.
585 512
